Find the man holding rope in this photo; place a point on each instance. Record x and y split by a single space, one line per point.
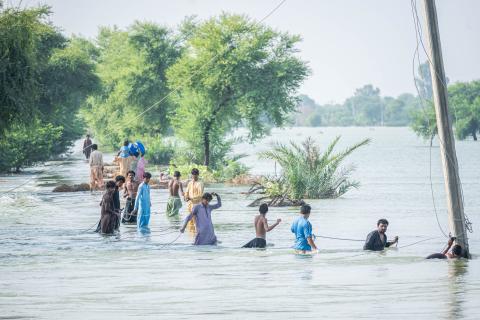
377 239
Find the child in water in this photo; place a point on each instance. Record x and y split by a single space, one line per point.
261 228
303 232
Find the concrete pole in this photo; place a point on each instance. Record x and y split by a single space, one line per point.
456 215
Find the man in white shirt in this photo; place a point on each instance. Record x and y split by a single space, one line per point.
96 169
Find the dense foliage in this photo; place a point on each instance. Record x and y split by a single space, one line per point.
233 72
44 80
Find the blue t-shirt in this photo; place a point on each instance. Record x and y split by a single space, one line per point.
124 152
303 230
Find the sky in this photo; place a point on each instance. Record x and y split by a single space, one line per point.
347 43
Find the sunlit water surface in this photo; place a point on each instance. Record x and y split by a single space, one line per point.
52 267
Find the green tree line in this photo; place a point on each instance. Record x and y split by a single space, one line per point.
368 108
44 79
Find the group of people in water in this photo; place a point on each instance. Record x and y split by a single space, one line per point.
199 219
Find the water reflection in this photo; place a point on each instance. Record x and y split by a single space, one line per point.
457 270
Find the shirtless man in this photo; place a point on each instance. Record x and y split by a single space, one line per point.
174 202
261 228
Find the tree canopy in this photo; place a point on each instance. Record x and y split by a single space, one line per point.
233 72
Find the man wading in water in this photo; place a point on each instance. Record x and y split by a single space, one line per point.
87 147
174 202
203 216
108 215
130 193
261 228
377 239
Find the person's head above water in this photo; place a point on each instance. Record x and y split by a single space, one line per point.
263 209
195 174
94 146
110 185
125 143
131 174
147 176
119 180
382 225
305 210
207 197
88 136
457 251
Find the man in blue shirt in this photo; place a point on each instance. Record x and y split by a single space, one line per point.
303 232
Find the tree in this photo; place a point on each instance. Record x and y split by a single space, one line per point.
19 35
44 78
366 106
131 66
424 122
464 100
233 72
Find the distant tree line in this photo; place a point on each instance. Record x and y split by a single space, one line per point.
368 108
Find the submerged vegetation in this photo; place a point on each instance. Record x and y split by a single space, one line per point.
307 173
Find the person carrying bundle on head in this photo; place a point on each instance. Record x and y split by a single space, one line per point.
261 228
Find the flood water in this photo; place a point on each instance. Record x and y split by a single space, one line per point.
52 267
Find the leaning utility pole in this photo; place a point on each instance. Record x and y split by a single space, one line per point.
453 190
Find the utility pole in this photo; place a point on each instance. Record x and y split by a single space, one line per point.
456 217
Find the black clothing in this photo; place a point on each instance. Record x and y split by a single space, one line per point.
256 243
127 216
437 256
374 241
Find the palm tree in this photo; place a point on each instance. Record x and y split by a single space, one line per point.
307 172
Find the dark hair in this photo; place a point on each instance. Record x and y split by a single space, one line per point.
132 172
382 221
176 174
125 143
119 178
207 196
110 184
88 136
305 209
94 146
457 250
195 172
147 175
263 208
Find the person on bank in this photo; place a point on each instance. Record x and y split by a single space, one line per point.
202 212
261 228
377 239
455 254
302 228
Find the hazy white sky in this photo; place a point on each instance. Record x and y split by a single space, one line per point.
348 43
